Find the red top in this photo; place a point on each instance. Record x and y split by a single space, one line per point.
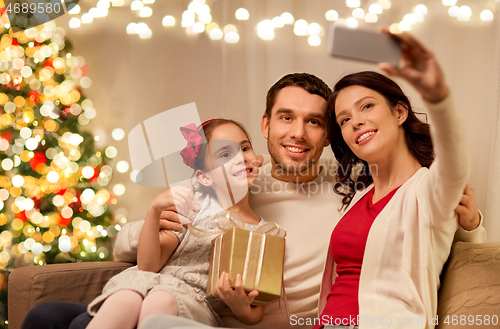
347 246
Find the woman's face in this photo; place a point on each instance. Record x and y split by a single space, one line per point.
232 151
370 128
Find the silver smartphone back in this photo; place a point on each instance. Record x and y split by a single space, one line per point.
363 45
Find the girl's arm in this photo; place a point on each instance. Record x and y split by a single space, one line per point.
238 301
154 248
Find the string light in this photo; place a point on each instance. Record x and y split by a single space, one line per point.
198 13
486 15
351 22
332 15
449 2
242 14
353 3
168 20
232 37
287 18
75 23
464 13
300 27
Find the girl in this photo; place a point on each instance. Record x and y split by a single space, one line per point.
388 250
171 275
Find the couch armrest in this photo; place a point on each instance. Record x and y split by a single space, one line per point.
470 286
74 282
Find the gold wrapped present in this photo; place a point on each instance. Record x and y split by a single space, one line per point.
258 257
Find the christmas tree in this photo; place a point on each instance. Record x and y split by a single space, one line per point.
53 196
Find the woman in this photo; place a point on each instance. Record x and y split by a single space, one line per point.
388 250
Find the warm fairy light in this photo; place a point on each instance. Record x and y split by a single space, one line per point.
17 181
418 17
410 19
404 26
122 166
119 189
375 8
216 34
449 2
145 12
278 22
287 18
314 40
198 27
74 10
64 243
385 4
232 37
53 177
111 152
230 28
454 11
118 134
358 13
486 15
300 27
7 164
314 28
242 14
88 172
136 5
87 18
131 28
464 13
351 22
421 9
332 15
353 3
265 30
168 20
371 18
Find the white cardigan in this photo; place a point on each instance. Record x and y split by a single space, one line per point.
411 238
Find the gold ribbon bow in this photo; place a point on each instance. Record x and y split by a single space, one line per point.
225 223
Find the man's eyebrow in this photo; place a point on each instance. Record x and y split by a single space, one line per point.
284 111
245 141
317 115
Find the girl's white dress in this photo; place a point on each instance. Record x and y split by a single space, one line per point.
185 274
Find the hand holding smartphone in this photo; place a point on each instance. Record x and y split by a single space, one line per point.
363 45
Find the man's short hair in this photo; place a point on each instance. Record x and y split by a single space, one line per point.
310 83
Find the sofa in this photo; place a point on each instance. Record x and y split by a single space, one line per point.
469 296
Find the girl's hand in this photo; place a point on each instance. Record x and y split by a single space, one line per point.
237 300
174 207
418 66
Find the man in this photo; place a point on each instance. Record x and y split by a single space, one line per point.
295 190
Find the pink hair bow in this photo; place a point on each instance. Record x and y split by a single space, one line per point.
194 142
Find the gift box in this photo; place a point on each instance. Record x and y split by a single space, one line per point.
257 257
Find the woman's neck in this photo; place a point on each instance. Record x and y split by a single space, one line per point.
391 172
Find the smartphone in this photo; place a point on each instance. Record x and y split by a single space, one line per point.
363 45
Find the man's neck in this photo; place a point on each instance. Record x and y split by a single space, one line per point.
279 173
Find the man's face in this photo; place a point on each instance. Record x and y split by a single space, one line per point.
296 130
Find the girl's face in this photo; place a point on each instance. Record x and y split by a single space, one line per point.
369 126
241 168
